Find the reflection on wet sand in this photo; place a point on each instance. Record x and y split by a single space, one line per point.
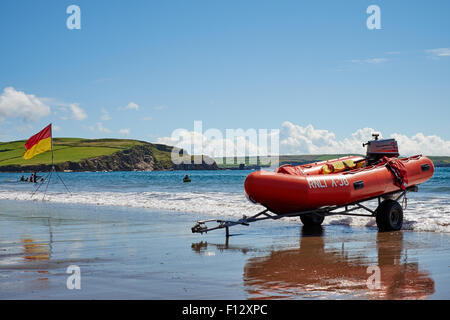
202 246
314 271
30 255
323 267
35 251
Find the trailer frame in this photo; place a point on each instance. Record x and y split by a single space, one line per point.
344 210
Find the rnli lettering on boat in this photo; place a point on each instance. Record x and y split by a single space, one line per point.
322 183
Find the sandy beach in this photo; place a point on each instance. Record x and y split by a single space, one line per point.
123 124
134 253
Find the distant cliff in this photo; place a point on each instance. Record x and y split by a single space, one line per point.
140 156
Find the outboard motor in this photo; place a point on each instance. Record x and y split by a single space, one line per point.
377 149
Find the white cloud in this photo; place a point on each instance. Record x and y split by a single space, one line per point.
99 128
376 60
296 139
132 106
124 131
66 111
421 144
370 61
440 52
56 128
24 128
77 112
214 143
105 115
160 107
18 104
147 118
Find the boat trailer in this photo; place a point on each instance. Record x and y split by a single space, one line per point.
345 210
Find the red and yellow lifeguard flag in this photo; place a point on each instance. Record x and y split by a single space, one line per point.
39 143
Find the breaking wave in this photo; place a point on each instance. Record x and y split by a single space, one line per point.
422 213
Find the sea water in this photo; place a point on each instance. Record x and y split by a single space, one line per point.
212 193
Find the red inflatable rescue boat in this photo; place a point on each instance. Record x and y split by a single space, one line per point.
339 182
291 190
336 187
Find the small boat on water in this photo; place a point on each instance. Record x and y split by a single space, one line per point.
336 187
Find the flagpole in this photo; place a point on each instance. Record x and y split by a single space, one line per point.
51 139
53 166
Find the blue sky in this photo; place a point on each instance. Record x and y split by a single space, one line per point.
231 64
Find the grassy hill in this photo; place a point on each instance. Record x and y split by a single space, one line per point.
439 161
65 149
76 150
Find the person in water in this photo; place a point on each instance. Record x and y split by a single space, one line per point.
22 178
186 178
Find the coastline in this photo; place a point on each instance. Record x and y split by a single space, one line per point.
46 168
136 253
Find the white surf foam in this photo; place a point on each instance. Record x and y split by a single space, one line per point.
211 203
427 214
420 215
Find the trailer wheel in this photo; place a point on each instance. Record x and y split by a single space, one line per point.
389 216
311 219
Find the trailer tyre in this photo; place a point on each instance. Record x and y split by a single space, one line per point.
310 220
389 216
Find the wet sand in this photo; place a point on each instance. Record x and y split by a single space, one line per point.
126 253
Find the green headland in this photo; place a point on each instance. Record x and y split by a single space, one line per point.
76 154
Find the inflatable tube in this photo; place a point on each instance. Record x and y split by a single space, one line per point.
295 190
